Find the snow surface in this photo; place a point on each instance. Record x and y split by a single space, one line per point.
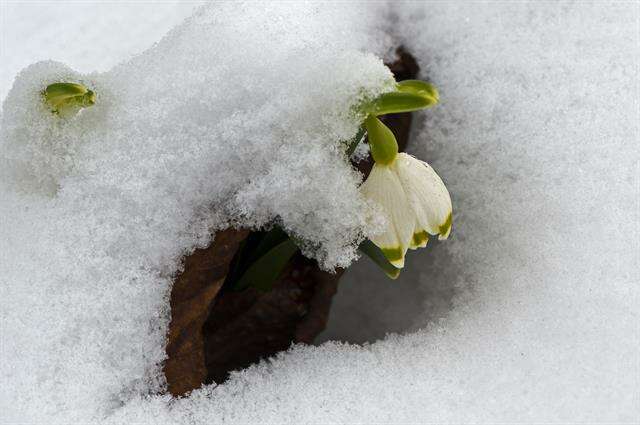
528 314
104 33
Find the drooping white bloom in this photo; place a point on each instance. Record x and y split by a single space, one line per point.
414 201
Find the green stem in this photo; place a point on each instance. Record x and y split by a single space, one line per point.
353 143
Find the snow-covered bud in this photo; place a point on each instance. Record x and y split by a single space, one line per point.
68 98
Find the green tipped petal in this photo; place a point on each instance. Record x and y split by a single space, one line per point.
419 240
445 228
395 256
420 88
68 98
392 254
428 196
377 256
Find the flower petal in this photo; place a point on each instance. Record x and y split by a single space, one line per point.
419 239
383 187
427 195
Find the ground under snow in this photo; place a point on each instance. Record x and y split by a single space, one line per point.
528 314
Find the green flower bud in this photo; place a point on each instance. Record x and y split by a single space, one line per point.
384 146
68 98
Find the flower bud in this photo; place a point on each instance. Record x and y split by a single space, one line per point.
68 98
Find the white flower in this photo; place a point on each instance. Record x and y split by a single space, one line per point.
414 201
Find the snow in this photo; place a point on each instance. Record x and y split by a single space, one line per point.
528 314
102 34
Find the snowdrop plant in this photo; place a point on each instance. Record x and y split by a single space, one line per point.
413 199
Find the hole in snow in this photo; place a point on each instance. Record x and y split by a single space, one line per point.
369 305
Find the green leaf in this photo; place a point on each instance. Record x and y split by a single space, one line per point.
372 251
270 239
254 246
395 102
420 88
240 260
266 269
353 143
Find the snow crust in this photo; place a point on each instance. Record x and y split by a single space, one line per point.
528 314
